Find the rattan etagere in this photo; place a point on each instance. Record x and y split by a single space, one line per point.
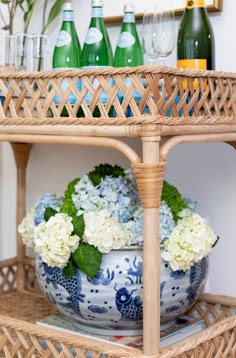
180 105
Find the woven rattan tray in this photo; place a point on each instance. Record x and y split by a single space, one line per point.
181 105
21 310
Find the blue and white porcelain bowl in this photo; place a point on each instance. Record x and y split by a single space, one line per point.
111 303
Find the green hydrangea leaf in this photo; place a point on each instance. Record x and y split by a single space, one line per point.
68 271
173 199
68 207
87 258
48 213
103 170
71 188
79 225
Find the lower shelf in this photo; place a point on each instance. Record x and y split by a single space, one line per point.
21 337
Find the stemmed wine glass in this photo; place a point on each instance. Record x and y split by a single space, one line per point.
149 36
164 30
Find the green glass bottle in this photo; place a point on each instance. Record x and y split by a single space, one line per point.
195 41
97 51
67 50
128 52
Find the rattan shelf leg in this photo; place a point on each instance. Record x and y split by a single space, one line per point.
148 181
21 155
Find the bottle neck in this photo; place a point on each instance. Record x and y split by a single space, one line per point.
129 17
68 16
97 11
190 4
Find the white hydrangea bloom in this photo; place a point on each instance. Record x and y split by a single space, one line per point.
54 242
104 231
26 228
191 240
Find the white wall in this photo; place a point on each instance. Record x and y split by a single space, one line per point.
206 172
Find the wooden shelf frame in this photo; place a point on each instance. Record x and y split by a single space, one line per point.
203 114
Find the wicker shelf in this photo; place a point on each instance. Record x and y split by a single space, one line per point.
20 312
182 112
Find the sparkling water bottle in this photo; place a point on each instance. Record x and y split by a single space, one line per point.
128 52
97 51
67 50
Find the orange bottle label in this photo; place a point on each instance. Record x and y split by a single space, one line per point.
190 4
193 64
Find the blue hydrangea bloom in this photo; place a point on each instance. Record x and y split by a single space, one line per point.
121 198
166 221
192 204
49 200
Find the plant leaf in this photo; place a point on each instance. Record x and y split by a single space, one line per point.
173 199
48 213
78 223
68 271
103 170
29 11
87 258
6 27
54 12
218 238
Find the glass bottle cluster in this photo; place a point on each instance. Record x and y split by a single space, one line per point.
97 50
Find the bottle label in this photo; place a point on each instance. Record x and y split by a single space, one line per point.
97 12
63 39
193 64
129 17
126 40
190 4
93 36
68 16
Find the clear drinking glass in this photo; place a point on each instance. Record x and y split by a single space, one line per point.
22 48
40 52
27 52
164 29
10 49
149 36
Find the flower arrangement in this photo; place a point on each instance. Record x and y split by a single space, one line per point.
100 212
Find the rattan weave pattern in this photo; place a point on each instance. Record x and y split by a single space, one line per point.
30 97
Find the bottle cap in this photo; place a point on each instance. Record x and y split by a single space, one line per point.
67 6
97 2
129 8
